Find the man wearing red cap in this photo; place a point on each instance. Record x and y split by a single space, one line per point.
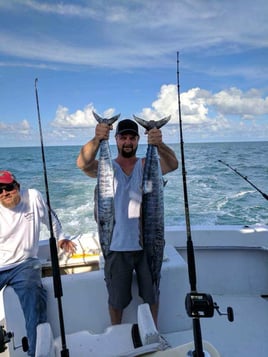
125 252
21 214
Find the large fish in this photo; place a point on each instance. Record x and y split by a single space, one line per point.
105 190
153 204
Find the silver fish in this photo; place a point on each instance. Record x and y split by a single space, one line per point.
105 190
153 205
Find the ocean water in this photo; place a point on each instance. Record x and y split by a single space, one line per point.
216 195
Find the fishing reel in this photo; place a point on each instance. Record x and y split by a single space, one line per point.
202 305
5 337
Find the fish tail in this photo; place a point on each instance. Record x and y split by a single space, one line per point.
105 120
152 123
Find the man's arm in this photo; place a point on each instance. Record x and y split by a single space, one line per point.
168 159
86 160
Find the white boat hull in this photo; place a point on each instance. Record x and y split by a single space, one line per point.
231 265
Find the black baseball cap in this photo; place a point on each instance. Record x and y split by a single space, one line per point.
127 126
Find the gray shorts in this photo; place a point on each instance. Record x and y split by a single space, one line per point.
119 267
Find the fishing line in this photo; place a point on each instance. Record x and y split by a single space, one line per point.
52 240
245 178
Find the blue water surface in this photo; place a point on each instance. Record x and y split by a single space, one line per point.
216 194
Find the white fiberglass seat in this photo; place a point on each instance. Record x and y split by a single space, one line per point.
116 341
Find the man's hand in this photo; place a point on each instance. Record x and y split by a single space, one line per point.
102 131
67 245
154 137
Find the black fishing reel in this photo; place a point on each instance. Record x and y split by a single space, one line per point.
5 337
202 305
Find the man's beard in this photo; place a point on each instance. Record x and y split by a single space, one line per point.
128 154
11 202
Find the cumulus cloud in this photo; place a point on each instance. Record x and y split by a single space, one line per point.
248 104
22 127
199 106
204 114
223 114
79 119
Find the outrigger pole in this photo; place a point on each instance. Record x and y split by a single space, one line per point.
245 178
52 241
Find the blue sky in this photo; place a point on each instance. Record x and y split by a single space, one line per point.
121 57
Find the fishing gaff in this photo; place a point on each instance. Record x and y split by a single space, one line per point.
190 250
52 240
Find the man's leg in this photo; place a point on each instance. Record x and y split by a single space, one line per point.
118 276
147 289
27 284
154 311
115 315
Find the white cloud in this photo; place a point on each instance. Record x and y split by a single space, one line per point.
79 119
60 9
248 104
151 30
22 127
199 106
204 114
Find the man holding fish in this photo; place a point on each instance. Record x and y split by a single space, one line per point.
121 216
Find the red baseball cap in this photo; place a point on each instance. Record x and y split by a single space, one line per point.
6 177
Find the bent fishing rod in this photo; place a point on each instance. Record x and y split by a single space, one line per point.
197 304
52 240
245 178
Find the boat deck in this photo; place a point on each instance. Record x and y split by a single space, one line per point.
246 336
232 266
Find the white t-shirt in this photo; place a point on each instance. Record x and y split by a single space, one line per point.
20 228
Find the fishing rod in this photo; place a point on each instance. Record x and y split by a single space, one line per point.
245 178
52 240
190 249
197 304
